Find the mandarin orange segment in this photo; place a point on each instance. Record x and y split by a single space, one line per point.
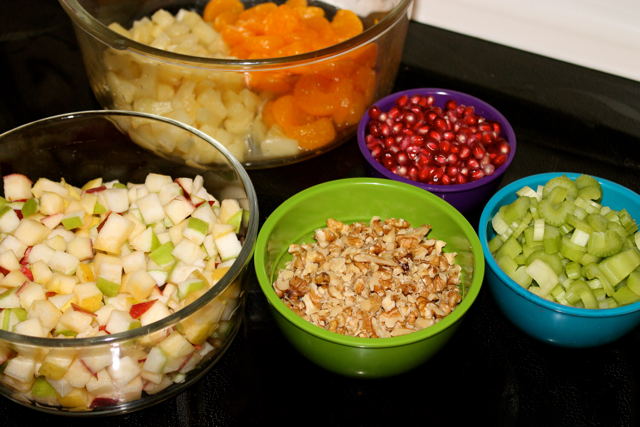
267 114
216 7
296 3
225 19
263 44
366 55
309 12
235 35
287 113
350 111
278 82
316 94
314 135
346 24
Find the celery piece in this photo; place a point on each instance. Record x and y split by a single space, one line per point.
500 226
579 237
555 214
579 224
520 259
527 191
597 222
585 293
580 213
604 244
538 229
510 248
494 244
553 260
587 258
565 229
628 222
592 271
557 195
636 239
590 192
633 281
526 250
618 228
526 221
557 290
521 277
528 237
544 276
561 181
617 267
599 293
506 264
595 284
551 239
612 216
517 209
586 181
570 250
573 270
571 297
626 296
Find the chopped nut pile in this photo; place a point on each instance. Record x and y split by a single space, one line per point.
382 280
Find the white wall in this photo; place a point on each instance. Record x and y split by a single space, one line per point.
600 34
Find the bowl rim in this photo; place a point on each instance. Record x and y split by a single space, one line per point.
104 34
234 271
507 129
485 221
349 341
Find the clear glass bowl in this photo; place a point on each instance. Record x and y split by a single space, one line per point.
226 98
80 147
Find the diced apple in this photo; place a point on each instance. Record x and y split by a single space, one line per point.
157 311
9 262
31 232
155 181
228 246
175 345
151 208
57 363
57 243
96 358
115 231
76 321
125 371
117 199
62 301
17 187
119 321
179 209
21 368
48 314
88 296
52 221
168 192
81 248
134 261
196 230
188 252
9 220
101 383
61 283
63 262
77 375
51 203
30 292
146 241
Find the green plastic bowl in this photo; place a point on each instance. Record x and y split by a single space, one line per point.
352 200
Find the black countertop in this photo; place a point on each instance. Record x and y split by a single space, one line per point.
566 118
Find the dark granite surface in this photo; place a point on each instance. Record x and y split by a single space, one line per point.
490 373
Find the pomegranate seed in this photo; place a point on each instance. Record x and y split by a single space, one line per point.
437 175
423 130
389 141
394 112
487 138
470 110
478 150
449 136
424 173
500 160
485 127
504 147
465 152
425 158
417 139
463 171
497 127
452 159
413 151
445 146
385 130
451 105
455 147
406 131
431 116
476 174
470 119
415 99
473 163
432 146
486 160
402 158
446 179
377 151
440 123
396 128
412 174
374 112
409 118
402 170
452 171
461 137
452 116
461 179
434 134
374 128
489 169
402 101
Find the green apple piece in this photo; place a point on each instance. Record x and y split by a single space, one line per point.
98 209
3 202
9 220
198 225
41 388
20 313
236 219
64 330
162 254
72 220
9 299
147 241
188 286
119 185
135 324
30 207
107 287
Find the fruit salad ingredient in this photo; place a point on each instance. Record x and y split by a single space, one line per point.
378 280
561 243
423 142
104 259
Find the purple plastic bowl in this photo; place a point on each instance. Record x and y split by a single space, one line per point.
466 198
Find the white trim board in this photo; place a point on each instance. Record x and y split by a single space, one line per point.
600 34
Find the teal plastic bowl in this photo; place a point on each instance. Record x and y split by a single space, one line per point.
352 200
540 318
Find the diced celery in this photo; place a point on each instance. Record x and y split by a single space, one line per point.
585 293
544 276
500 226
557 195
494 244
573 270
552 260
526 251
595 284
626 296
551 239
617 267
565 229
628 222
510 248
592 271
527 191
633 281
599 293
522 225
538 230
521 277
517 209
597 222
506 264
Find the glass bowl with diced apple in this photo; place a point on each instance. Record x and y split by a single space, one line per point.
563 259
275 82
122 273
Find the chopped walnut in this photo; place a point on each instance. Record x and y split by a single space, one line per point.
378 280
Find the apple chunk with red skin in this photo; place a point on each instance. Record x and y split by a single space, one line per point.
17 187
114 233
